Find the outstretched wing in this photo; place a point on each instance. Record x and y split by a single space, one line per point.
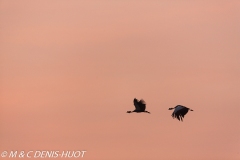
142 105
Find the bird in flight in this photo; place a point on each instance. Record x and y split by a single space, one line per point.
180 111
140 106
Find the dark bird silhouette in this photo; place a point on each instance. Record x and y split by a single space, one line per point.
180 111
140 106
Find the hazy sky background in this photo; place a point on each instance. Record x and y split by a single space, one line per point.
69 71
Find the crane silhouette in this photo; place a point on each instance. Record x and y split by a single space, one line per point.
140 106
180 111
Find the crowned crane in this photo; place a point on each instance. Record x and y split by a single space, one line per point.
180 111
140 106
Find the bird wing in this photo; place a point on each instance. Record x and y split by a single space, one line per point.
179 112
178 108
183 111
136 104
142 104
177 115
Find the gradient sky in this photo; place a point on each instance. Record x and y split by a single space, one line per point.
70 70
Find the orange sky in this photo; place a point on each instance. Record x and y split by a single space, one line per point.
70 70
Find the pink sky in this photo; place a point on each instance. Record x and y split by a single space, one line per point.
70 70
